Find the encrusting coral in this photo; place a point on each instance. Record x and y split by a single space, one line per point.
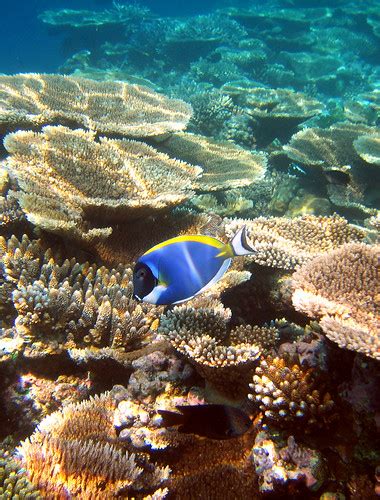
286 243
341 289
289 394
73 185
65 304
107 107
80 444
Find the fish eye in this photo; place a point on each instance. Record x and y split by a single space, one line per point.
141 273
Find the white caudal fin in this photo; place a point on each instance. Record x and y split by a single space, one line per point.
240 245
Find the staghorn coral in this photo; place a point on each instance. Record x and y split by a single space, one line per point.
289 394
65 304
13 481
286 243
73 185
107 107
224 164
202 335
341 290
80 444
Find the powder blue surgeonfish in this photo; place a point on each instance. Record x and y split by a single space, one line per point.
178 269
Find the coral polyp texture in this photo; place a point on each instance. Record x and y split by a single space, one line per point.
203 336
66 304
107 107
80 444
341 289
286 243
72 184
225 165
287 393
13 481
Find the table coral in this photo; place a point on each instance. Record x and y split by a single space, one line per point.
74 185
224 164
368 148
107 107
68 304
341 290
288 394
286 243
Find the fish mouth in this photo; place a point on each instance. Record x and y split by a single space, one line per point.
136 297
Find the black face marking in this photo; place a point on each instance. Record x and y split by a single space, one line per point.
143 281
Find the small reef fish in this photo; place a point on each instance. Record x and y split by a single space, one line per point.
213 421
178 269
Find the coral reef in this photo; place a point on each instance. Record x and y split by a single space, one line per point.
224 165
107 107
341 290
277 112
289 394
80 443
225 359
286 243
277 466
14 482
71 183
65 304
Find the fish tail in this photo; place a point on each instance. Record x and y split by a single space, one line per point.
171 418
238 245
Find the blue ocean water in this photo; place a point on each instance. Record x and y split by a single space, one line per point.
27 46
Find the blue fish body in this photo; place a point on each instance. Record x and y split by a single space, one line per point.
180 268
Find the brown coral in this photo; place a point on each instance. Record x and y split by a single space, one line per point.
107 107
341 289
288 393
224 164
68 304
285 243
74 185
75 452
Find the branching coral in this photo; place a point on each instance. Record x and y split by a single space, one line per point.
341 289
79 444
107 107
72 184
68 304
285 243
224 165
288 393
202 336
